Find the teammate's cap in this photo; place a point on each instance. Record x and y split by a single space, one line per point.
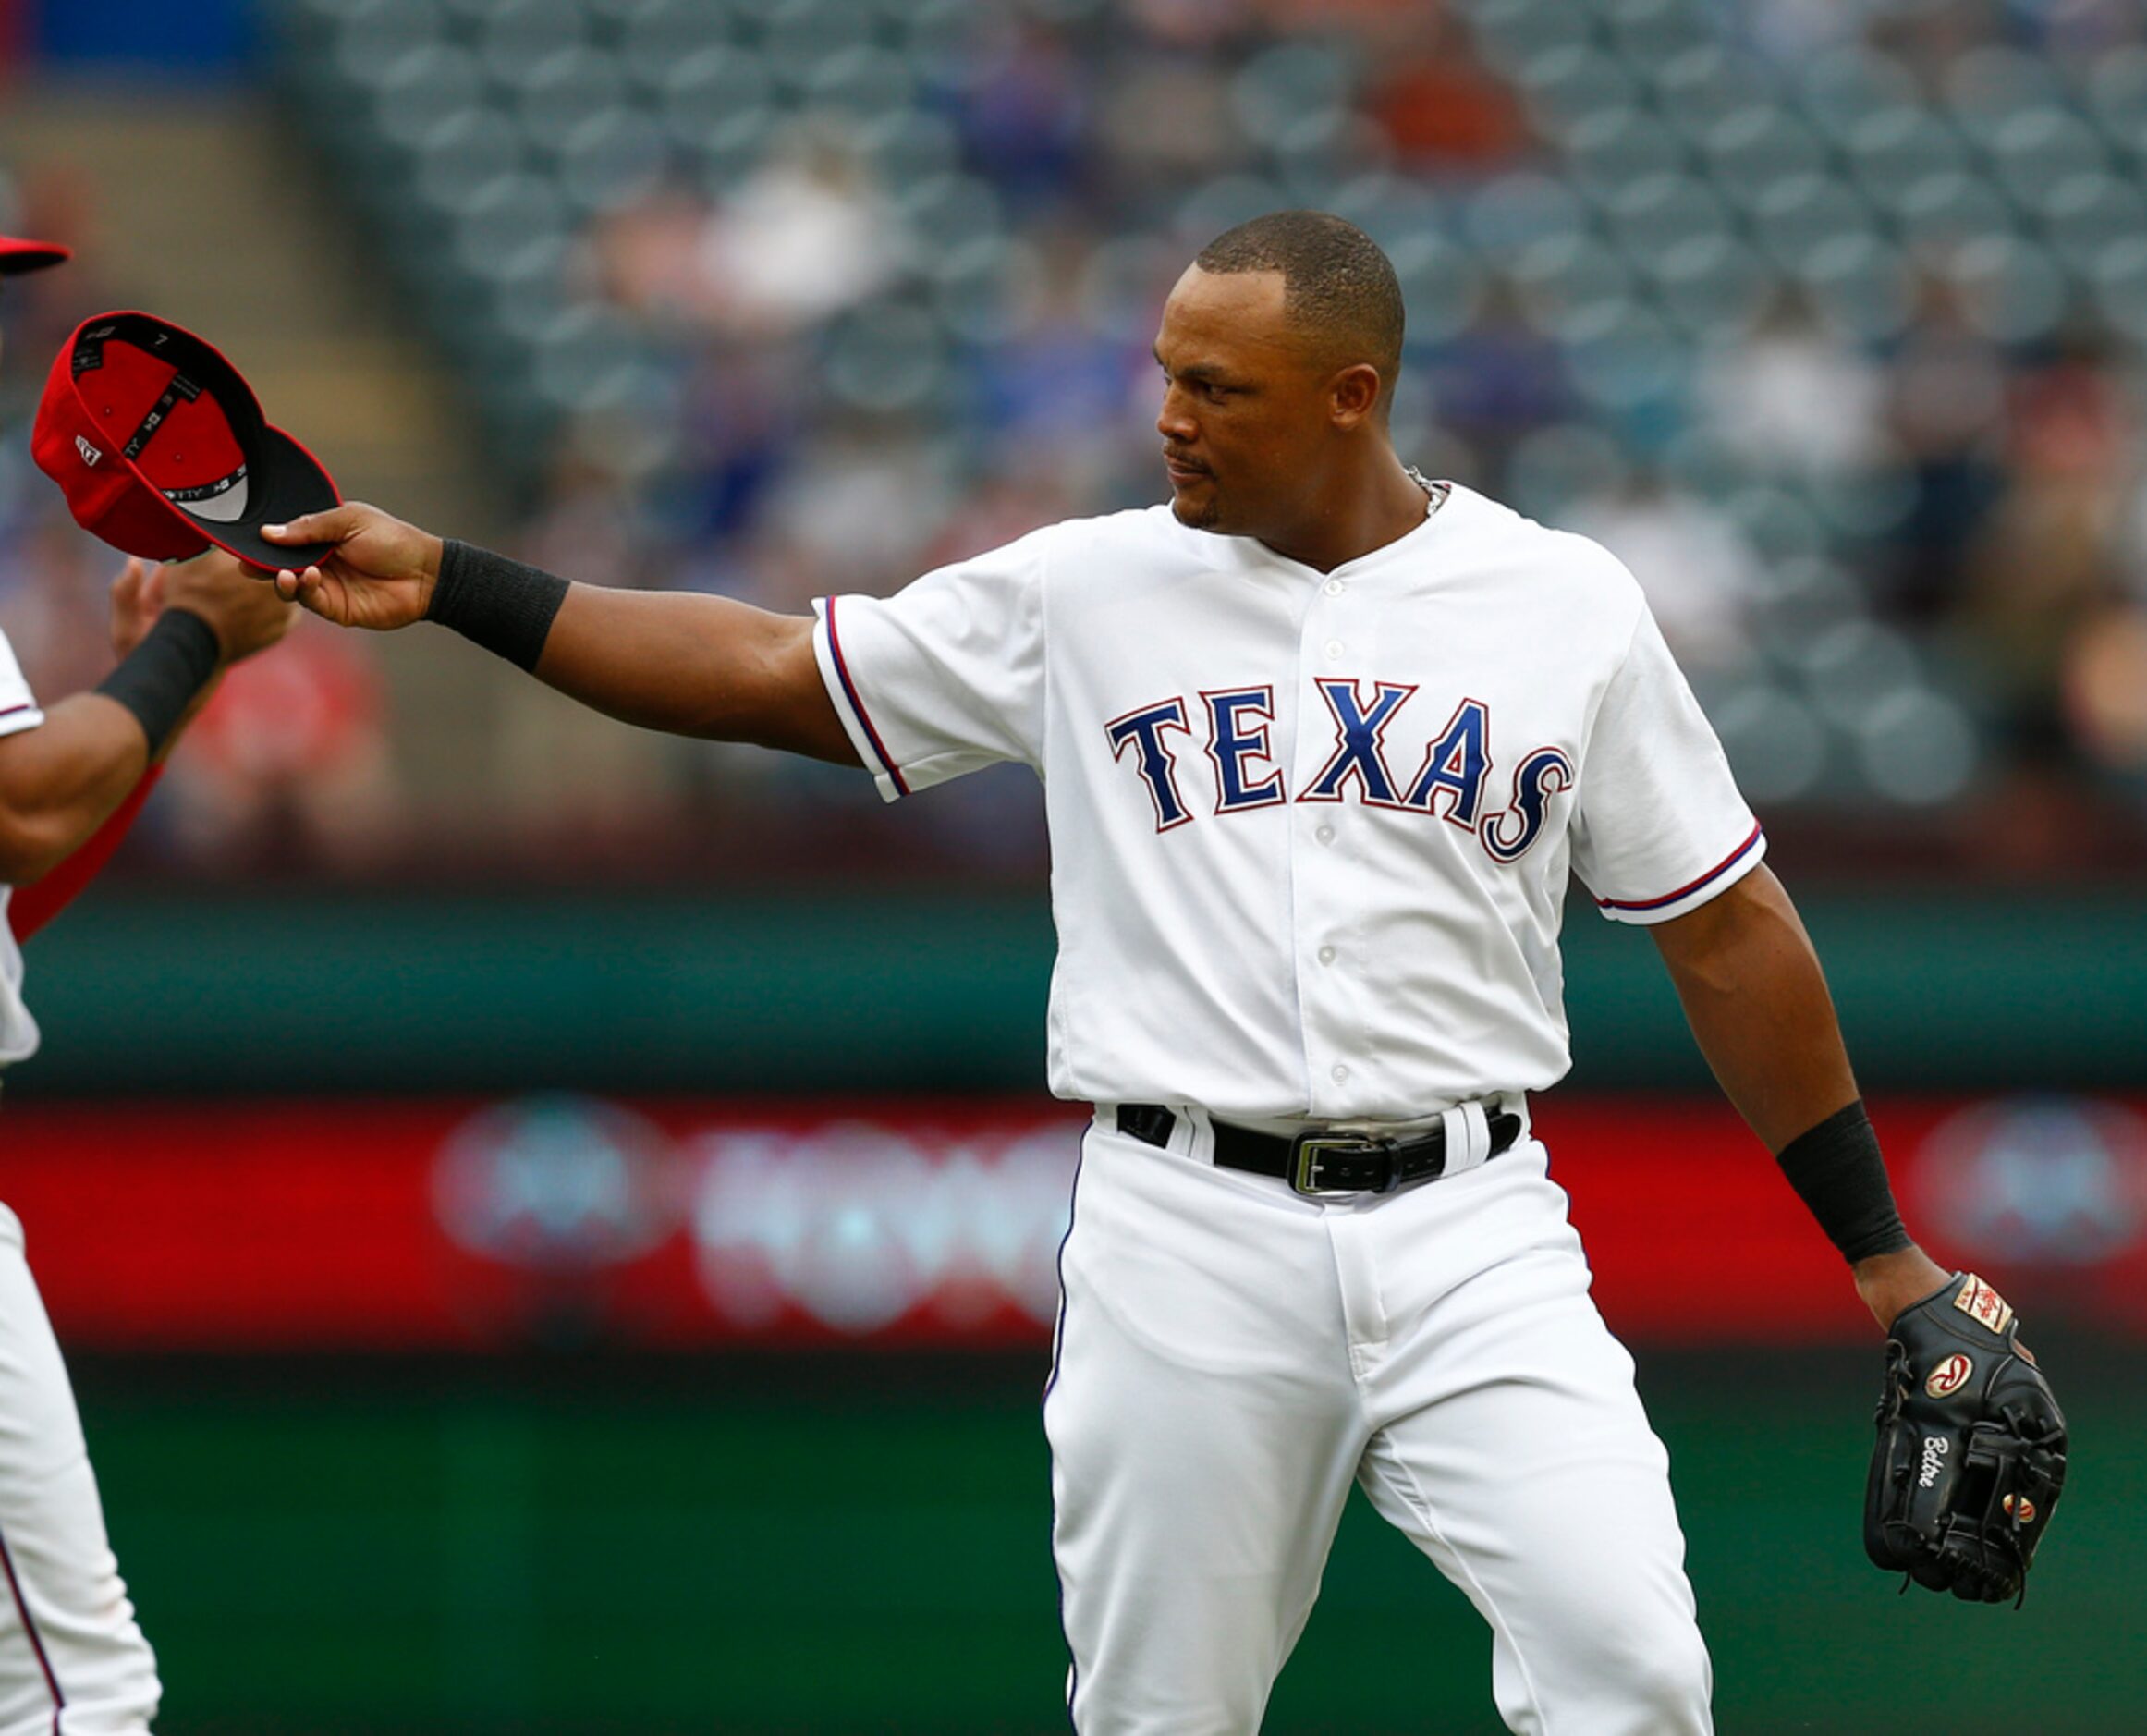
20 256
160 447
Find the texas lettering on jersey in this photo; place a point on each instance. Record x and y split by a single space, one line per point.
1449 782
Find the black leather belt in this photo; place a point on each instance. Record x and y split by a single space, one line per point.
1322 1163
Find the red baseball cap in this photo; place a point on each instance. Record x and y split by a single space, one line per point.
20 256
162 450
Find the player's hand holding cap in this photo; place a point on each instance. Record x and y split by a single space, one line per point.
162 449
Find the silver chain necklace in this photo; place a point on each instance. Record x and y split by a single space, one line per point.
1435 493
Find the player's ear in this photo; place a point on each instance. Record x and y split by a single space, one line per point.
1353 395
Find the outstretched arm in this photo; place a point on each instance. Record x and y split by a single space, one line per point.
1756 1000
689 664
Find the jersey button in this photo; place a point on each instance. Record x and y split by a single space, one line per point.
1334 587
1327 955
1325 835
1333 649
1338 1072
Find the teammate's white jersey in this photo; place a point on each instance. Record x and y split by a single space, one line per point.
1311 833
71 1656
18 711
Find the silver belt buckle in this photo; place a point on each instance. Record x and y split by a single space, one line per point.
1304 1177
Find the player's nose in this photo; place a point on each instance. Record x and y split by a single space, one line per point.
1174 421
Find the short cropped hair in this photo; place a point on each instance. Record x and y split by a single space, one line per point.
1337 285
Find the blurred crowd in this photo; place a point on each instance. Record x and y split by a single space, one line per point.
1823 315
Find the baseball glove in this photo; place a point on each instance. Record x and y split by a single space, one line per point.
1971 1455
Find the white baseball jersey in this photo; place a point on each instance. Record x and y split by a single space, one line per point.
1310 832
18 711
72 1654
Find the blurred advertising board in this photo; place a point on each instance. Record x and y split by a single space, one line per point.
441 1225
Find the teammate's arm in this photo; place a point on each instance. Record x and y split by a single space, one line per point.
690 664
1757 1002
35 904
61 781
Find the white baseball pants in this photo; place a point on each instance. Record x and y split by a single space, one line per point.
72 1661
1230 1356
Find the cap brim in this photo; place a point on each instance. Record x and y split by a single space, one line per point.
291 483
21 256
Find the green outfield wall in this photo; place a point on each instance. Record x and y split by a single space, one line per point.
790 1546
300 993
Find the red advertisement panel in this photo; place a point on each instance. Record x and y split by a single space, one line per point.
383 1225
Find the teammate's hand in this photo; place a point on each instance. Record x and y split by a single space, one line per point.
136 599
246 615
380 574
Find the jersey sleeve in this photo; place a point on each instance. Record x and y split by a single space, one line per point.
18 708
1661 826
945 677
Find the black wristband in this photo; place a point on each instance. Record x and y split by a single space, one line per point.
494 602
1839 1173
157 680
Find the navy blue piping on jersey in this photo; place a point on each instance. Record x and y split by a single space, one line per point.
59 1700
850 688
1073 1198
1685 891
1058 1263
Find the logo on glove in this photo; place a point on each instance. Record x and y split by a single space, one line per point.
1949 1375
1980 1302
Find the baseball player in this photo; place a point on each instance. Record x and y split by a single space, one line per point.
72 778
1320 741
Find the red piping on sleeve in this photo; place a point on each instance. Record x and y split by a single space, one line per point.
1690 887
842 670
